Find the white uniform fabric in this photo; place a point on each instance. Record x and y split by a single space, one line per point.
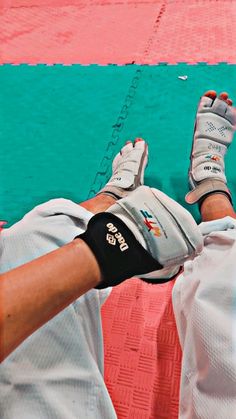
204 299
57 373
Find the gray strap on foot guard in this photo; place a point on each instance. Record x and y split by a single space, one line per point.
206 187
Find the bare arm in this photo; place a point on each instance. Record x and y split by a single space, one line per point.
32 294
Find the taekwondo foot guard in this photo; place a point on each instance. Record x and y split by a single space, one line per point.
213 134
146 231
127 169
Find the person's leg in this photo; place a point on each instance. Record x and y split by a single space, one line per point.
212 136
203 296
65 379
99 203
216 206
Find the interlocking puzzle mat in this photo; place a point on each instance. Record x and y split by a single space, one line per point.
61 127
142 351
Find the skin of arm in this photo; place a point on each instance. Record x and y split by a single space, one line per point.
32 294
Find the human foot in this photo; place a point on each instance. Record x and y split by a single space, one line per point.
127 169
213 134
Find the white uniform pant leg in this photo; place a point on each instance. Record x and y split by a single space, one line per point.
57 373
204 299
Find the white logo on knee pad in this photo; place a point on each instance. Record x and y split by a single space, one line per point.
116 237
111 239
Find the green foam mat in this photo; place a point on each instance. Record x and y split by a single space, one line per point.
61 126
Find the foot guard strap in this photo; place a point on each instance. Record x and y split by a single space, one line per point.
207 187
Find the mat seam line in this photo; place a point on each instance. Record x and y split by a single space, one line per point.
103 174
115 136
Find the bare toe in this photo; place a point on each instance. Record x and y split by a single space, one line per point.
211 93
223 96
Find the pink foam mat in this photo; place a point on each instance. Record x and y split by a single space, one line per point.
142 351
102 32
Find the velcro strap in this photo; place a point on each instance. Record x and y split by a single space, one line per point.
206 187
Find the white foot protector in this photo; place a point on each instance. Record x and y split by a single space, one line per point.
162 226
214 130
127 169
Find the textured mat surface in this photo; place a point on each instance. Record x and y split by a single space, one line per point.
142 352
144 32
56 123
61 126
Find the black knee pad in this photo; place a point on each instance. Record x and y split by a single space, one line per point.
118 253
